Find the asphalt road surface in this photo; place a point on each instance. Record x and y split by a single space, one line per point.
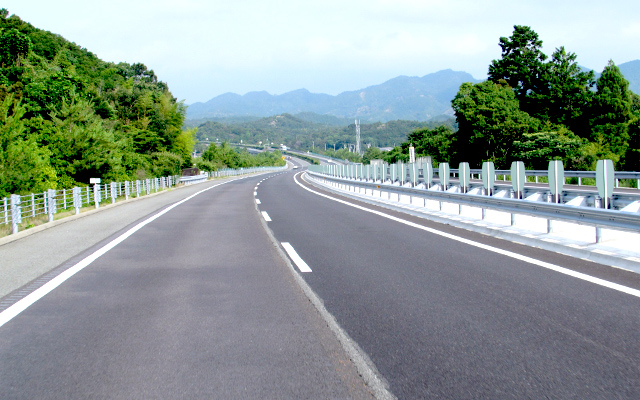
441 318
197 302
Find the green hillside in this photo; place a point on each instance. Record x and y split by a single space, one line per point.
295 132
67 116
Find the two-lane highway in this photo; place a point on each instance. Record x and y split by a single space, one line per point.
445 313
197 303
194 300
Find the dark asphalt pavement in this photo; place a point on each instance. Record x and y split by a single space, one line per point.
198 304
442 319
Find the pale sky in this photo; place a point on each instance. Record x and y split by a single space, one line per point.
202 49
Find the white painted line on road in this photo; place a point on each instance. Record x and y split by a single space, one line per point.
557 268
302 266
258 201
266 216
255 193
21 305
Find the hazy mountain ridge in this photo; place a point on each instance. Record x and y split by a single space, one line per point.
631 71
403 97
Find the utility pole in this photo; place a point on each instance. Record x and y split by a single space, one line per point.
358 137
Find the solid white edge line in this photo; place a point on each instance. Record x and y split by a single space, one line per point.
22 304
266 216
557 268
302 266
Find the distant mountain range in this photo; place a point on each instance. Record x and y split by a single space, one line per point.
404 97
401 98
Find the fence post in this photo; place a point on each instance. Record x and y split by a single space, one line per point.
126 190
51 199
33 205
114 192
96 194
6 212
77 199
16 214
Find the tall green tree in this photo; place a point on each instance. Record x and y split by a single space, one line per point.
14 47
568 95
489 123
522 65
611 113
24 167
439 143
81 146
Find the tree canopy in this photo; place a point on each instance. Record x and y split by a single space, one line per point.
66 115
534 109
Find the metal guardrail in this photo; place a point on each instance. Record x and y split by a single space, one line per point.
537 173
596 217
17 210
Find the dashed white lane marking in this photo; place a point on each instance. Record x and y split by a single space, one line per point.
302 266
553 267
266 216
258 201
255 193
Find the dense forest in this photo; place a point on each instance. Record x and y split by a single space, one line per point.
534 109
67 116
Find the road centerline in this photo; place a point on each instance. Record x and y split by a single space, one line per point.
293 254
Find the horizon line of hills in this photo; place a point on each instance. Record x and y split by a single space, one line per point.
410 98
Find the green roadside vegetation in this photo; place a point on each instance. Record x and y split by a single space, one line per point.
66 116
534 109
311 160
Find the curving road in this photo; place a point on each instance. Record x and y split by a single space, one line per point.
197 301
443 318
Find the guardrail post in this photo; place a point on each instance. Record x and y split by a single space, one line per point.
604 181
488 177
126 190
598 234
16 214
96 194
51 199
33 205
463 174
77 199
444 173
556 179
6 212
113 191
518 178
